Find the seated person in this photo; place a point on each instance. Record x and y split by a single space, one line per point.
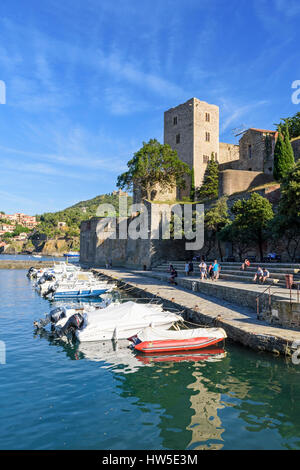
173 276
265 275
258 274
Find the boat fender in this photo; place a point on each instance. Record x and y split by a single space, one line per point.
115 334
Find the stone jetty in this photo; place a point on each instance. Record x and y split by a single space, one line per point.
239 319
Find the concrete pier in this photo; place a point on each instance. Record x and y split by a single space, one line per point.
239 321
20 264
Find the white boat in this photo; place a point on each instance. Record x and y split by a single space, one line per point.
113 322
78 289
121 321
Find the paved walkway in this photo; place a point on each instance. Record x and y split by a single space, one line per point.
277 292
240 323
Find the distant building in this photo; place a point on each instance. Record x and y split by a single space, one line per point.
62 225
28 221
5 228
22 237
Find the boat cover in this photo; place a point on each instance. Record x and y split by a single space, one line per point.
157 334
124 319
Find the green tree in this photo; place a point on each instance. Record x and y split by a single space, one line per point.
293 124
287 221
154 164
216 218
251 219
283 160
288 147
238 237
210 186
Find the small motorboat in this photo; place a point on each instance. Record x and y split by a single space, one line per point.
121 321
72 254
156 340
113 322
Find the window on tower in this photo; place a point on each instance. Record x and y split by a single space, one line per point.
177 138
175 121
249 151
207 136
207 117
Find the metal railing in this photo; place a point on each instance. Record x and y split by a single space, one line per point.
271 294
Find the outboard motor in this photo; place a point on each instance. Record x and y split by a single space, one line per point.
75 322
53 317
31 272
50 290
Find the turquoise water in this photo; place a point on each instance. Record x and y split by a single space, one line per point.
59 396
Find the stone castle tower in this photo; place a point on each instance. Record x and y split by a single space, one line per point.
192 128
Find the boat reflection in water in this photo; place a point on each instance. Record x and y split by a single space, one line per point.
175 383
209 354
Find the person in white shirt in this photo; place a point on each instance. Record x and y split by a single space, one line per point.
258 274
203 268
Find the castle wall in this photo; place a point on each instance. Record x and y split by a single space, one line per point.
255 155
233 181
158 194
100 243
228 153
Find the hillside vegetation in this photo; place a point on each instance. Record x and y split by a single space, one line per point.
49 222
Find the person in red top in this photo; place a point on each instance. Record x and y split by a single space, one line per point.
245 264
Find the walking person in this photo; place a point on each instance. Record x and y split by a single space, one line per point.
203 268
186 268
210 271
191 267
216 269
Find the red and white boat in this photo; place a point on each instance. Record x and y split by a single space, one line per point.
154 340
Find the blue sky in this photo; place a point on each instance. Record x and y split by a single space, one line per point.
88 81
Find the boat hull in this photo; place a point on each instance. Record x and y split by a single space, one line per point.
124 332
79 294
148 347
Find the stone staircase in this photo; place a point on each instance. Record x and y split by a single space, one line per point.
231 271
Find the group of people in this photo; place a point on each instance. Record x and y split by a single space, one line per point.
206 272
261 275
212 271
